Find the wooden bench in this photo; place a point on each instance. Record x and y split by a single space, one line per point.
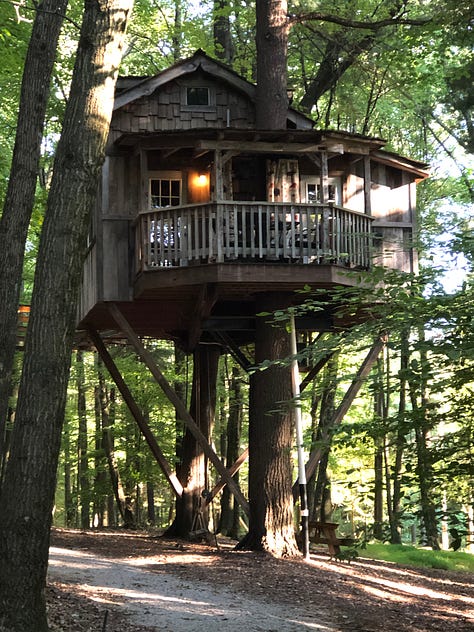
325 533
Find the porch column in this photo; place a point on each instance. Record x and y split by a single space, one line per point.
218 176
367 186
324 178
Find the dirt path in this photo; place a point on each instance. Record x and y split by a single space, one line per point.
142 583
169 603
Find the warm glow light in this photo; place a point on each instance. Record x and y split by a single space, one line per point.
202 179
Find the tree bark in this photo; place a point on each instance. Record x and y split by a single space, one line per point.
394 512
322 508
339 55
107 406
69 506
100 475
424 467
193 468
82 445
223 46
271 427
229 520
28 491
20 194
272 48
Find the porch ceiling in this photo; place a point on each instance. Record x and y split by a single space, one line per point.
269 141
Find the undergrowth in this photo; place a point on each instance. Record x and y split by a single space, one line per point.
412 556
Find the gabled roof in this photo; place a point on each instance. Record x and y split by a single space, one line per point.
136 87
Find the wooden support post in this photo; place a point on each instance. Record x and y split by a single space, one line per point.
181 409
204 303
345 404
136 412
367 186
324 178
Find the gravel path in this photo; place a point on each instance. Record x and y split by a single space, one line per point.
167 603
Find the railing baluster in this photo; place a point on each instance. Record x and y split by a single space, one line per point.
306 233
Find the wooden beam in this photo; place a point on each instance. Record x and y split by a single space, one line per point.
235 467
345 404
233 349
181 409
258 146
205 301
314 371
136 412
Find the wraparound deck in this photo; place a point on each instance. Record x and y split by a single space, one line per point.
253 232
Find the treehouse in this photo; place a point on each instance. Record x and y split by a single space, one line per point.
200 211
204 222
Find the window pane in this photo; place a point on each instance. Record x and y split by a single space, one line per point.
198 96
175 188
312 194
165 193
165 187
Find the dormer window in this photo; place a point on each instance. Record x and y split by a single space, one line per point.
197 96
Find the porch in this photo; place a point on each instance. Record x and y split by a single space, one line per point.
253 233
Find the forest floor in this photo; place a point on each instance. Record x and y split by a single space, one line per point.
111 581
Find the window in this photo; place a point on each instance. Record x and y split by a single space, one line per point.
197 96
164 192
311 193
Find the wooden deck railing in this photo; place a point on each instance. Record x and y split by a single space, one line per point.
253 232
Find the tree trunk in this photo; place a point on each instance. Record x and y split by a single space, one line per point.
28 491
324 435
378 488
100 476
400 442
69 507
177 39
223 46
108 416
20 195
82 445
271 426
190 512
272 48
150 502
229 521
424 468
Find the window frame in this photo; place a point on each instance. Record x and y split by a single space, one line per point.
211 91
163 176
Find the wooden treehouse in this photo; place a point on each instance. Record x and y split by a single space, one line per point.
200 212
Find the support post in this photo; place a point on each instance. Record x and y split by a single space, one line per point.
295 382
367 186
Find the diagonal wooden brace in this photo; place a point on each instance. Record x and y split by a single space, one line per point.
345 404
136 412
181 409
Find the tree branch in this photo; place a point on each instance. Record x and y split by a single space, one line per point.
355 24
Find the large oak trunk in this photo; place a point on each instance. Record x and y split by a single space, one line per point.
272 46
271 425
28 490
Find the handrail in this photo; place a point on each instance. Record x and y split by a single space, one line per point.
254 232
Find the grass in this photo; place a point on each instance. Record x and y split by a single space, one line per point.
412 556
